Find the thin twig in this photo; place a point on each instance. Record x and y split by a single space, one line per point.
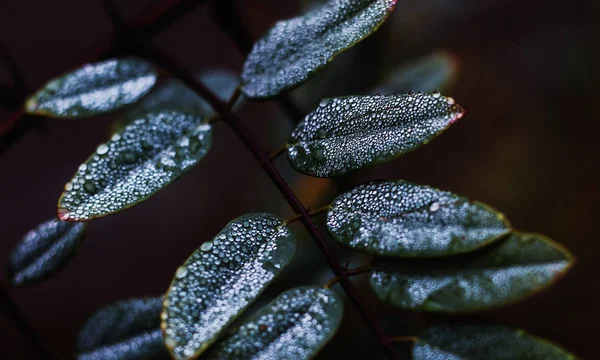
243 133
20 320
405 339
350 272
278 152
312 213
234 97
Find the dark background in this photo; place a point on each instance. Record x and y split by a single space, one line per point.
528 146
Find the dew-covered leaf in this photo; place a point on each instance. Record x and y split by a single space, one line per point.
94 89
429 73
126 330
221 279
349 133
295 49
401 219
43 251
500 274
490 342
296 326
149 153
173 94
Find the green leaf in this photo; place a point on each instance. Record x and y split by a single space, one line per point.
145 156
490 342
401 219
350 133
296 325
221 279
44 251
295 49
94 89
503 273
126 330
429 73
173 94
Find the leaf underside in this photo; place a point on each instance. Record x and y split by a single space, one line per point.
504 273
350 133
296 325
491 342
126 330
221 279
94 89
401 219
149 153
43 251
293 50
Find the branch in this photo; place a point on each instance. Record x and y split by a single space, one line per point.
164 60
17 316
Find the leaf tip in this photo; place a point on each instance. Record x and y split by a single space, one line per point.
31 105
63 214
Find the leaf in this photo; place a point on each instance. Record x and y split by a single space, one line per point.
401 219
94 89
296 325
490 342
126 330
428 73
145 156
173 94
295 49
221 279
43 251
504 273
349 133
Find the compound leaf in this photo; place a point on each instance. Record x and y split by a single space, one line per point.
350 133
149 153
44 251
221 279
94 89
295 49
492 342
503 273
401 219
126 330
296 325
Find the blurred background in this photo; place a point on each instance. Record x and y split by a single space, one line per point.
526 74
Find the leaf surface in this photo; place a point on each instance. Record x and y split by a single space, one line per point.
43 251
504 273
350 133
148 154
126 330
221 279
492 342
94 89
295 49
296 325
401 219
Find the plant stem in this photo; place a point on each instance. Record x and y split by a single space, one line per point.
19 319
405 339
312 213
278 153
350 272
163 59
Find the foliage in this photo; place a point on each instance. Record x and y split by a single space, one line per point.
464 255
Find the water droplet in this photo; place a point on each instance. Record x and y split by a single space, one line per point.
102 149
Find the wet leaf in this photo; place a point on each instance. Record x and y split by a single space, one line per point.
43 251
126 330
349 133
94 89
503 273
295 49
429 73
221 279
173 94
490 342
296 325
148 154
401 219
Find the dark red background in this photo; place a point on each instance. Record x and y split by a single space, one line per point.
528 146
